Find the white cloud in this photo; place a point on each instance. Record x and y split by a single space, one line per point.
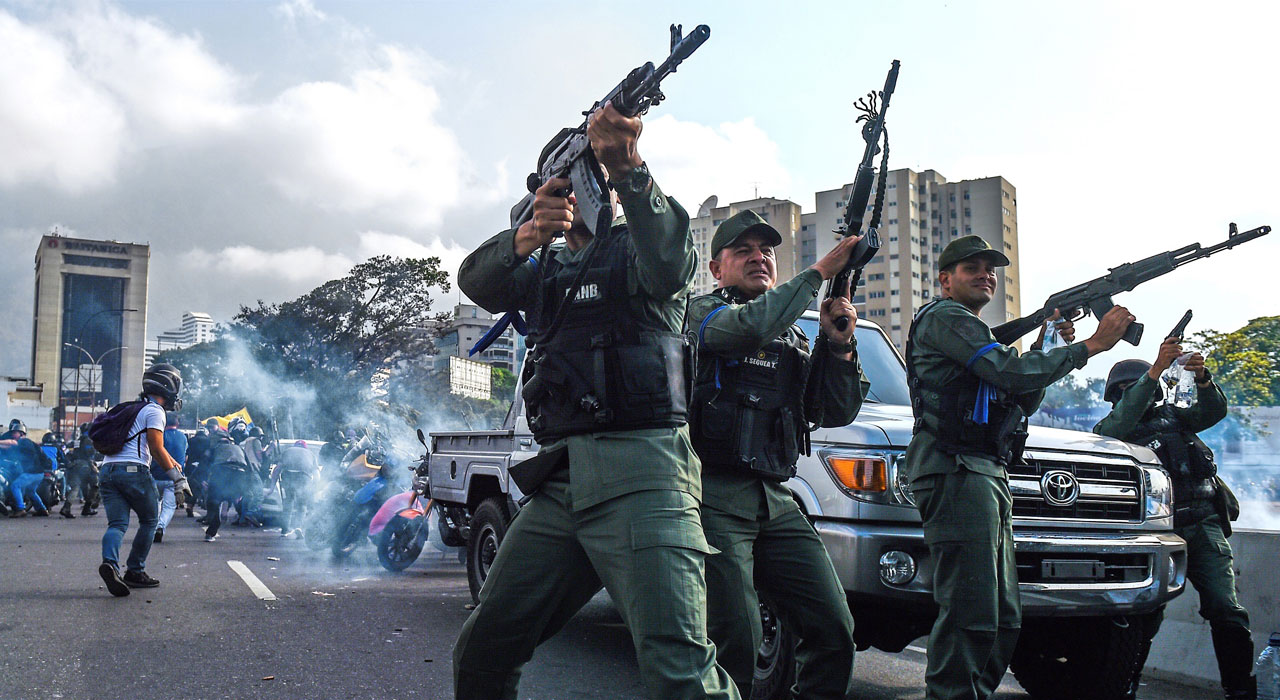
57 127
166 81
236 264
373 144
733 160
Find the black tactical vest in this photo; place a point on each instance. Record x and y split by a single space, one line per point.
948 412
600 367
1187 459
748 411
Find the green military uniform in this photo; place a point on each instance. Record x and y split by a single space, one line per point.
963 497
622 515
763 538
1209 557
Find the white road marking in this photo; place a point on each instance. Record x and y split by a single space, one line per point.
918 650
258 587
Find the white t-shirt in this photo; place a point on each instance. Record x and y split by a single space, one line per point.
136 450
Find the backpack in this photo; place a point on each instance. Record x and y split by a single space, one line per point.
110 431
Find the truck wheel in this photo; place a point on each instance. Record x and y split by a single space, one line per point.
488 527
1070 658
776 660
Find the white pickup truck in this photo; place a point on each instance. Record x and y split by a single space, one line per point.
1095 550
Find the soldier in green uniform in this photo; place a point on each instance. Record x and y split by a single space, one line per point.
606 393
749 427
970 396
1199 517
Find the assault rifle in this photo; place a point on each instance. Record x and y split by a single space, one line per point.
1095 296
1181 329
570 155
873 132
873 108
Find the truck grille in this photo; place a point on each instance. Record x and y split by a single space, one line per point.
1103 491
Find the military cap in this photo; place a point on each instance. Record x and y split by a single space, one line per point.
735 226
967 247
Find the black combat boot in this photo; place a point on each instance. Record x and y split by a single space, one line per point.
66 510
1234 648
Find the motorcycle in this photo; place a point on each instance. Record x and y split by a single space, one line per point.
373 468
402 526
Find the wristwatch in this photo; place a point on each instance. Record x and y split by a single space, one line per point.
840 348
1208 378
636 181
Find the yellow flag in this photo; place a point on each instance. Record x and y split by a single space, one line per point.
224 421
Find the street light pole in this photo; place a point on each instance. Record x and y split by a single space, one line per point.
93 364
76 338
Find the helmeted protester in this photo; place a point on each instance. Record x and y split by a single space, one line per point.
131 435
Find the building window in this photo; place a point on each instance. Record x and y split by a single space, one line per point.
893 293
968 230
893 185
953 213
875 295
966 194
1005 194
894 203
893 257
968 212
1006 211
1008 245
893 222
893 239
1007 229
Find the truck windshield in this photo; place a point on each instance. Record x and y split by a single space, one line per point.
880 363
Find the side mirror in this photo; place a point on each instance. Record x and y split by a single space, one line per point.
422 438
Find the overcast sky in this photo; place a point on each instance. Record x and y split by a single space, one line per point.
262 148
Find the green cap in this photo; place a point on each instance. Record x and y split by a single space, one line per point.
967 247
743 222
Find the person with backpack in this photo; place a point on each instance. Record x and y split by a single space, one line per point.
131 435
229 475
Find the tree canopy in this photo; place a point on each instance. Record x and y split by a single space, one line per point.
1245 362
318 357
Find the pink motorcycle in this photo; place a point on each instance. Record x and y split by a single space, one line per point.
400 528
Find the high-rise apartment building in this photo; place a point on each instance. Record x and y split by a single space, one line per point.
197 327
922 213
782 214
90 323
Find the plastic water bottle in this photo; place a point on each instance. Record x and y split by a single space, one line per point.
1181 383
1268 670
1051 337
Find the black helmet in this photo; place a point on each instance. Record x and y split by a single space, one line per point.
1123 374
163 380
50 438
17 424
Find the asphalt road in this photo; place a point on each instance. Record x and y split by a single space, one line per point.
348 631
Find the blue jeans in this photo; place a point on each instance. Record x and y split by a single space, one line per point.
168 502
25 484
124 490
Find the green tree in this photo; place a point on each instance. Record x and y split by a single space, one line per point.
315 359
1245 362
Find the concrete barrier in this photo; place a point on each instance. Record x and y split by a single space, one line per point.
1183 651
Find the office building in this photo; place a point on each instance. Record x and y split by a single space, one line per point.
922 214
90 322
468 325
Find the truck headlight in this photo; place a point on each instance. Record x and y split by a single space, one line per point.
869 475
897 568
1159 492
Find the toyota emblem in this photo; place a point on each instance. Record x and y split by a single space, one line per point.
1060 488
